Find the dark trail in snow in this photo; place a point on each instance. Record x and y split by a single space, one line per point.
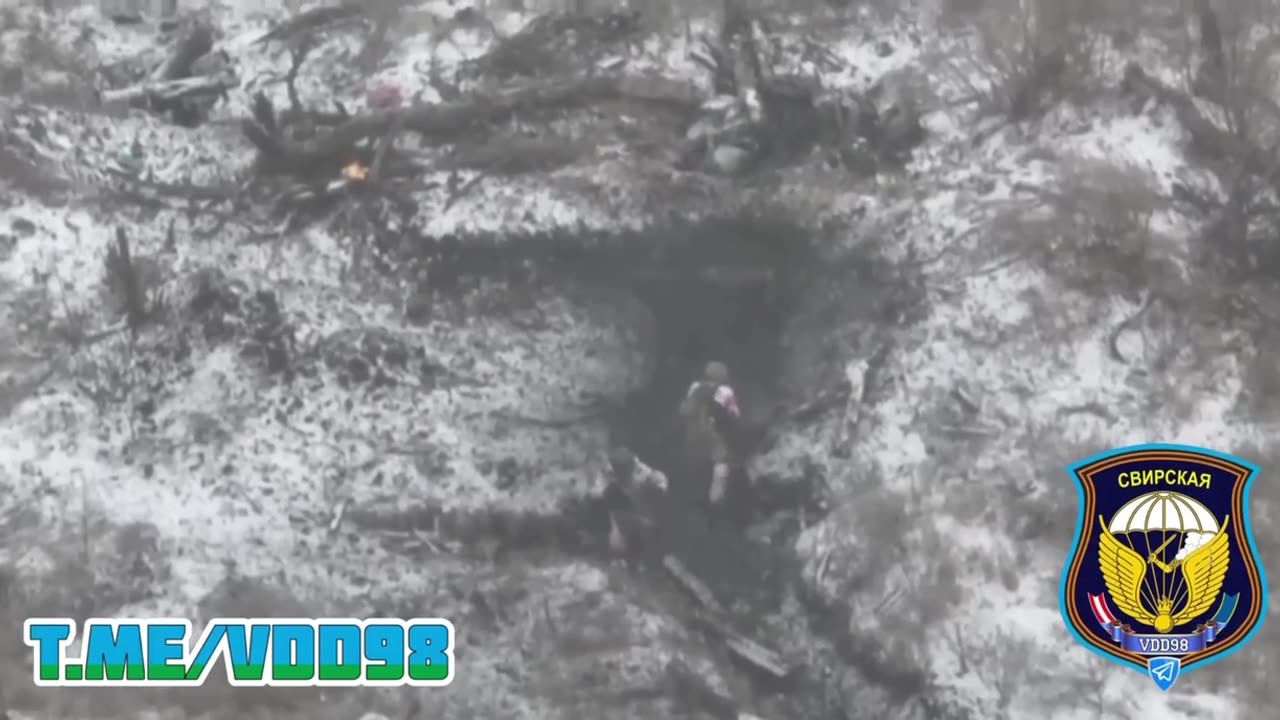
714 291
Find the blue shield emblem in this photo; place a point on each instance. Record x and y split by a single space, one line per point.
1163 575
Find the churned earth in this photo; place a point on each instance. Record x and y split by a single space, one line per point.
308 432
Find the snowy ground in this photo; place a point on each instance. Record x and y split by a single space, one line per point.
240 461
238 472
1033 357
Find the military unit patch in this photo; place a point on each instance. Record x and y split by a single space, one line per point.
1163 575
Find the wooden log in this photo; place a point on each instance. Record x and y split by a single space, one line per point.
449 119
170 91
691 583
748 650
758 656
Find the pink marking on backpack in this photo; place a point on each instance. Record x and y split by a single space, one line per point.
727 399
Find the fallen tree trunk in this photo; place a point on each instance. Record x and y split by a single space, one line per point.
170 91
764 659
691 583
446 120
1211 78
753 653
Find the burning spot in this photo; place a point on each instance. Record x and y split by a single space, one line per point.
356 171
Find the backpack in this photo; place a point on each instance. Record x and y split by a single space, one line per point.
701 405
696 406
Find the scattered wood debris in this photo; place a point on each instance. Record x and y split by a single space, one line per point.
339 510
712 619
185 85
972 406
339 145
1094 408
750 651
417 540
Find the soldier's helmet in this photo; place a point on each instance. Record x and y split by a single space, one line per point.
716 372
622 460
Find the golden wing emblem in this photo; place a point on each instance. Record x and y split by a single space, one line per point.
1123 570
1203 571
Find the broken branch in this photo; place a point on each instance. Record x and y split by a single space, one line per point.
314 20
297 56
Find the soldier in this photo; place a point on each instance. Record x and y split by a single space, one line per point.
632 481
710 415
630 473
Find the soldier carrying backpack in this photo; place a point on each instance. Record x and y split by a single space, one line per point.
710 415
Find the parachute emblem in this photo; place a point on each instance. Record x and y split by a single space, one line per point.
1155 590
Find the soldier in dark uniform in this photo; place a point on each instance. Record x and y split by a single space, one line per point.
635 500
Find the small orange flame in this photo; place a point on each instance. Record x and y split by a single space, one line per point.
355 171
